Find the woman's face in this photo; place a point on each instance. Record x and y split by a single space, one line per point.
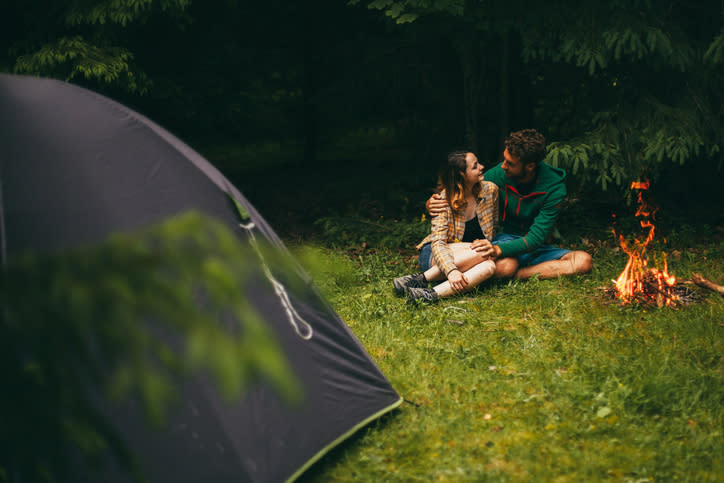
474 170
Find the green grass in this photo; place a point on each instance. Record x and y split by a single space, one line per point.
521 381
536 380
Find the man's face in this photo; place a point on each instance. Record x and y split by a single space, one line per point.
514 168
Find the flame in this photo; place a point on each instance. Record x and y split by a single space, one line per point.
640 185
636 277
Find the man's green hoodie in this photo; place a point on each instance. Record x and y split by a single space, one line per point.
533 215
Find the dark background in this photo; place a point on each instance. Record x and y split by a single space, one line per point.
344 109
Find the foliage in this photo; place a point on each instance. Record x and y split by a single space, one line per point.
619 88
79 58
537 380
638 81
715 53
120 12
86 41
406 11
127 318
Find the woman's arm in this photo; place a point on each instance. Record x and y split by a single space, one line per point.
458 280
441 252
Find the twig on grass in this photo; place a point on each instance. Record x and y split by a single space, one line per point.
703 282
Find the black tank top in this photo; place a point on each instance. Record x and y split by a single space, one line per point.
472 230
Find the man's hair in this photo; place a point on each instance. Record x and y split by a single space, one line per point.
528 144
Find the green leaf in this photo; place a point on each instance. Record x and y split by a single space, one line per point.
603 412
407 18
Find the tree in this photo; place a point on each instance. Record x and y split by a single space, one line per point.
621 88
83 40
649 83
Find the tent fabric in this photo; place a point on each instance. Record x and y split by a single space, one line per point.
76 167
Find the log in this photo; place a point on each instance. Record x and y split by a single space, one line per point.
702 282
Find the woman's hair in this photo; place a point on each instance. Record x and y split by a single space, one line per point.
452 179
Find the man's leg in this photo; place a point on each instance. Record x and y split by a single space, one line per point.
506 267
568 264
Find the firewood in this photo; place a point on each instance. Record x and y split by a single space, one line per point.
702 282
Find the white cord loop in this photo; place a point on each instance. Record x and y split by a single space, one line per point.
305 333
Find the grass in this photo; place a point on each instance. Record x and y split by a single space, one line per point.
535 380
520 381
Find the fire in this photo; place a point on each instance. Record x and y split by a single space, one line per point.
638 280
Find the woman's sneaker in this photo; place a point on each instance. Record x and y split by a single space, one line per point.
401 284
421 295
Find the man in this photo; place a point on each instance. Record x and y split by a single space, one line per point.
531 192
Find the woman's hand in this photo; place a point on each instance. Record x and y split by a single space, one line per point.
457 280
436 204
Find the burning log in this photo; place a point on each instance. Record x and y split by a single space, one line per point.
642 284
702 282
683 292
653 290
638 281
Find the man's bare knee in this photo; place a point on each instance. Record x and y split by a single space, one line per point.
581 262
505 267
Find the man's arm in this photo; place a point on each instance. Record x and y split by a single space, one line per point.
436 204
486 249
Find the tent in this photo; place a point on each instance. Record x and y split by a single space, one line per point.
76 167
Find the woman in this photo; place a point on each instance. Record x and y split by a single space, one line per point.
450 251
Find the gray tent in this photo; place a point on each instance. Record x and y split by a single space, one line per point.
76 167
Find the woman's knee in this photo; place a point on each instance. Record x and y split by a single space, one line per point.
467 258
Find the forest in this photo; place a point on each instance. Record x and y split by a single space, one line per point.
621 90
332 118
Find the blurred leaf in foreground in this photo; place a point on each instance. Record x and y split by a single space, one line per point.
125 318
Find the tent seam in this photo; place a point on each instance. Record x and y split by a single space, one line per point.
341 438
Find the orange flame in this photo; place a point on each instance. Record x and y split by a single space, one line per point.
636 277
640 185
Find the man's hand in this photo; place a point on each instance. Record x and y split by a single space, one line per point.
457 280
486 249
436 204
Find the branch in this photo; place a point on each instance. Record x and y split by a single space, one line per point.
702 282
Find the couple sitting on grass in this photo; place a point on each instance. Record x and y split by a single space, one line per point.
521 196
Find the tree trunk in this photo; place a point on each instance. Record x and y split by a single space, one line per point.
472 69
310 46
504 88
309 111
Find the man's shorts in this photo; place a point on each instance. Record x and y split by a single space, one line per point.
544 253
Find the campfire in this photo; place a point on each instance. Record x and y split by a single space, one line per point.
638 281
643 284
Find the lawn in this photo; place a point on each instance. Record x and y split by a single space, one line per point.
541 380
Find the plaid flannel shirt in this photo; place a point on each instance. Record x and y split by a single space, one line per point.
449 226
